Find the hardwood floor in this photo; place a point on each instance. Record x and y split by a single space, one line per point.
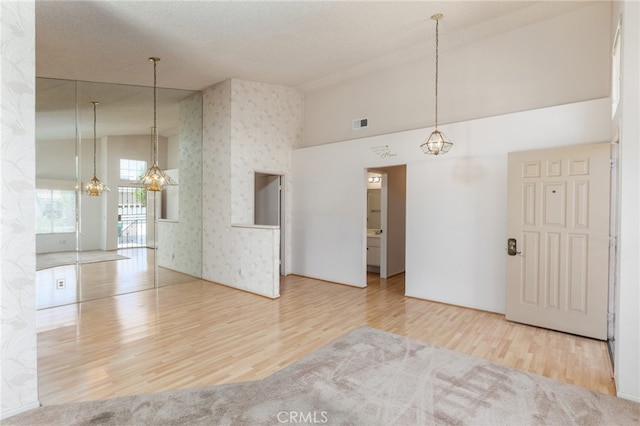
103 279
200 333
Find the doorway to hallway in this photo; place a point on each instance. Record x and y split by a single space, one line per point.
269 206
386 220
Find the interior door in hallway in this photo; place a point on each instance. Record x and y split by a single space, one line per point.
558 239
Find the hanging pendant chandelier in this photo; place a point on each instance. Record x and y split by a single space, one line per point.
95 188
155 179
437 143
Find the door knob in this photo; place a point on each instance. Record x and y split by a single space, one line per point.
512 247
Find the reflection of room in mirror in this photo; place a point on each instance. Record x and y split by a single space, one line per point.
64 137
103 274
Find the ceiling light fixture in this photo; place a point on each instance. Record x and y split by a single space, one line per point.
438 142
95 188
155 179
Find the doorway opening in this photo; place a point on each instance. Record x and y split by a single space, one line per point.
386 220
269 206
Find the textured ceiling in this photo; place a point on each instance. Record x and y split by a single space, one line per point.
308 44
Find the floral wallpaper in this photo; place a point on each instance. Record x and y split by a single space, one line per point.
180 243
248 127
17 238
216 192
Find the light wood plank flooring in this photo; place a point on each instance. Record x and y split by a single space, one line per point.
96 280
200 333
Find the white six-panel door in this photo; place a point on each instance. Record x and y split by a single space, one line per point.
558 214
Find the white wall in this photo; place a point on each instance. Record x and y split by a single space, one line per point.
248 127
456 204
56 159
536 66
92 209
627 320
18 361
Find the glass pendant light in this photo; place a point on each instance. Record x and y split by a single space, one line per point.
95 188
155 179
437 143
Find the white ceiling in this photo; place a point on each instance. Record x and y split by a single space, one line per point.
306 44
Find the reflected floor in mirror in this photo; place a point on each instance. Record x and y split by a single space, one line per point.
135 272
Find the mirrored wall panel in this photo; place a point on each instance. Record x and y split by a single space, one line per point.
125 239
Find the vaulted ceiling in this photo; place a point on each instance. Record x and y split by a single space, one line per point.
304 44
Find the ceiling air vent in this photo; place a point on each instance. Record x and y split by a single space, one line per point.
360 123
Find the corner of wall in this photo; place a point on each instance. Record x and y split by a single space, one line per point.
19 386
248 126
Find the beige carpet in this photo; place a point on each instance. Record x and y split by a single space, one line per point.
51 260
368 377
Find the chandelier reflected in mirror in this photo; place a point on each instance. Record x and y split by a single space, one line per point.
154 178
95 187
437 143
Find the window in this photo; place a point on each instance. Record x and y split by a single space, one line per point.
55 211
131 170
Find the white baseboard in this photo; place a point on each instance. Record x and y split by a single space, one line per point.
10 413
635 398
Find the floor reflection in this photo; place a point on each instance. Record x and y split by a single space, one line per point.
103 279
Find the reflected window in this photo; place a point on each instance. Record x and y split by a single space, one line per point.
55 211
132 169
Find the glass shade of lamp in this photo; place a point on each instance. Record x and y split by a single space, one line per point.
438 143
154 179
95 187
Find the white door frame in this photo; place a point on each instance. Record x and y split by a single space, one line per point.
613 243
384 199
281 203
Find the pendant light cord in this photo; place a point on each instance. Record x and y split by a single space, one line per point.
155 103
94 137
437 42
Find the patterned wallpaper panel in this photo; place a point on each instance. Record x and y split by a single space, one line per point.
248 127
17 201
266 125
180 243
216 194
